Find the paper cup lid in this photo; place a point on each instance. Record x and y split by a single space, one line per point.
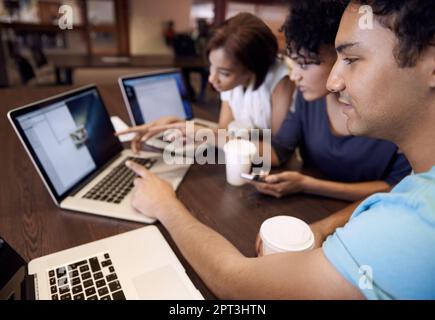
284 233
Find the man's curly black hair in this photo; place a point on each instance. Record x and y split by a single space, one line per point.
310 25
412 21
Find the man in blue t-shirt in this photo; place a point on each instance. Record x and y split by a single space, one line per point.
349 167
386 249
385 78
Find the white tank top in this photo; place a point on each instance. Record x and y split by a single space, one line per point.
253 109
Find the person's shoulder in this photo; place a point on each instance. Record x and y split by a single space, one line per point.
420 190
227 95
384 144
280 66
310 107
415 195
280 69
417 186
275 74
391 233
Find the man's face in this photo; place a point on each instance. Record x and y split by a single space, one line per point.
381 99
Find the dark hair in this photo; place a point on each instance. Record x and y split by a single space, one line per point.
310 25
412 21
248 41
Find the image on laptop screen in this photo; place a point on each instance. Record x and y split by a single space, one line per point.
71 138
153 96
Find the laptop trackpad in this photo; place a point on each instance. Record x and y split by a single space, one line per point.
161 284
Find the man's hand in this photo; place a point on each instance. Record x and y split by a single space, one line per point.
319 235
259 246
282 184
152 196
316 228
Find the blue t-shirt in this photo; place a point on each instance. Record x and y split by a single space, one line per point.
344 159
391 237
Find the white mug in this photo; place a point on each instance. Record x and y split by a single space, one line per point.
238 158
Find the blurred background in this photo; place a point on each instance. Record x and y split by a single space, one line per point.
113 37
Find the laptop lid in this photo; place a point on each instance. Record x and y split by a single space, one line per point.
151 96
69 137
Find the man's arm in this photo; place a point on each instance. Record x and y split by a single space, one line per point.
228 273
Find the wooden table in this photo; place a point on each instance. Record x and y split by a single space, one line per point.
34 226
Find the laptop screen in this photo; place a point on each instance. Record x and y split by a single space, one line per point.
70 138
153 96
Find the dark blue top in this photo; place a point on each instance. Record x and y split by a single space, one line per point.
345 159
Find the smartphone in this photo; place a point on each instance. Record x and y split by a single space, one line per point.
254 177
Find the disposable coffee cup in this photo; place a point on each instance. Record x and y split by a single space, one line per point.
239 129
238 159
286 234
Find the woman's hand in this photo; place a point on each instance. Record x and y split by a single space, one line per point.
282 184
146 131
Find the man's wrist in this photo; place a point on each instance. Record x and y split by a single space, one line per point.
320 231
170 212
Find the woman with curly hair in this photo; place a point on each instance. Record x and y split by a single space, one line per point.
353 167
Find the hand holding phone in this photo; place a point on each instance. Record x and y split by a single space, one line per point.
254 177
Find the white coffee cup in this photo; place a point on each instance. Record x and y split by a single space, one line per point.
239 129
238 159
286 234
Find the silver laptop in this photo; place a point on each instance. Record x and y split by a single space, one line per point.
101 270
70 139
150 96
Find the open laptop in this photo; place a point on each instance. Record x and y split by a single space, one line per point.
150 96
100 270
70 140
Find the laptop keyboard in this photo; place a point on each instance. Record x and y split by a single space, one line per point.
90 279
118 183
